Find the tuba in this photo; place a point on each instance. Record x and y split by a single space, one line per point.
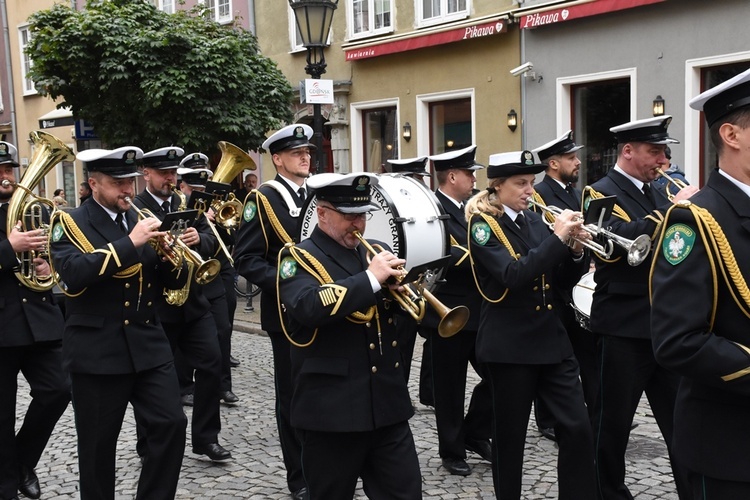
27 207
233 161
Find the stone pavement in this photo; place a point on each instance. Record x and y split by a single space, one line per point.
257 470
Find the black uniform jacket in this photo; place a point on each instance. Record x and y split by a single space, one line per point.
258 245
197 304
710 351
459 288
523 327
342 382
111 325
620 305
26 316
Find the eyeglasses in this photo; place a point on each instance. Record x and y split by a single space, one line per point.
351 217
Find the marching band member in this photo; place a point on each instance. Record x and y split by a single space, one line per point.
350 404
620 310
699 315
189 325
270 221
451 356
558 188
114 345
518 264
30 343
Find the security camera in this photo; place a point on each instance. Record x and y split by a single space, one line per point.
520 70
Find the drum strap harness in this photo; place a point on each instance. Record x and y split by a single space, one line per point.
314 267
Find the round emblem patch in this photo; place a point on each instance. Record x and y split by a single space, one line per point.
288 268
250 210
480 232
57 232
678 242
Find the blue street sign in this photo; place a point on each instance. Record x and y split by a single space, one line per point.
85 130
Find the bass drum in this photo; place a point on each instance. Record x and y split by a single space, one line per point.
583 297
410 220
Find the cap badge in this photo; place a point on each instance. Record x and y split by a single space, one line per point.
299 132
528 158
3 149
129 157
172 154
362 183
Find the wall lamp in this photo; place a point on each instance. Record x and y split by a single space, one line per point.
407 132
512 120
658 106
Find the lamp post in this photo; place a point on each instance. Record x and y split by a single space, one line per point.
314 18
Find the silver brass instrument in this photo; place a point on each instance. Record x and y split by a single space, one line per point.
637 249
413 302
205 271
28 208
233 161
671 180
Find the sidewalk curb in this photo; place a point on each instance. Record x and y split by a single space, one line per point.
248 327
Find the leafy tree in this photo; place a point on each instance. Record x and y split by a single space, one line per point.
151 79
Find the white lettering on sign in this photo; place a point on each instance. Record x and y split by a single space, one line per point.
540 19
480 31
358 54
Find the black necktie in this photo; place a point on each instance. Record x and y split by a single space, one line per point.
120 221
521 221
647 191
166 206
302 194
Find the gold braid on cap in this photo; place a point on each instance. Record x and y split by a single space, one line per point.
315 268
500 235
76 236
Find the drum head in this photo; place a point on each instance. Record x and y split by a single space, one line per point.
583 294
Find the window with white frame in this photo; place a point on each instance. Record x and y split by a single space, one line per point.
370 17
24 37
166 6
438 11
295 37
221 9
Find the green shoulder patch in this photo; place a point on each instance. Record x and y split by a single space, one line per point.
480 232
57 232
250 210
287 268
678 242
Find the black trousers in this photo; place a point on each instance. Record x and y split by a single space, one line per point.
100 402
709 488
450 361
627 368
291 447
514 388
385 459
584 348
406 333
198 342
41 365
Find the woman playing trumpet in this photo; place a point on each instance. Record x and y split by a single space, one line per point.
517 264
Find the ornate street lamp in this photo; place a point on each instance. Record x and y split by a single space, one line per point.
314 18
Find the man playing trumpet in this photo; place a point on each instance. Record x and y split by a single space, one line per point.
350 405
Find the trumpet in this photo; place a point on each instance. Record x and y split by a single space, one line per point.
637 249
413 302
205 271
671 180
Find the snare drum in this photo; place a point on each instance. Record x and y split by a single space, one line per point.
410 220
583 296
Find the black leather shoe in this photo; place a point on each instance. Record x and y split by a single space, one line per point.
233 362
549 433
228 397
28 483
300 494
457 466
214 451
187 400
481 447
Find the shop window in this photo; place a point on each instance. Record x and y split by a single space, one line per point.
438 11
597 107
450 125
380 136
370 17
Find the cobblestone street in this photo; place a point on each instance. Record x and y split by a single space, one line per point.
257 469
